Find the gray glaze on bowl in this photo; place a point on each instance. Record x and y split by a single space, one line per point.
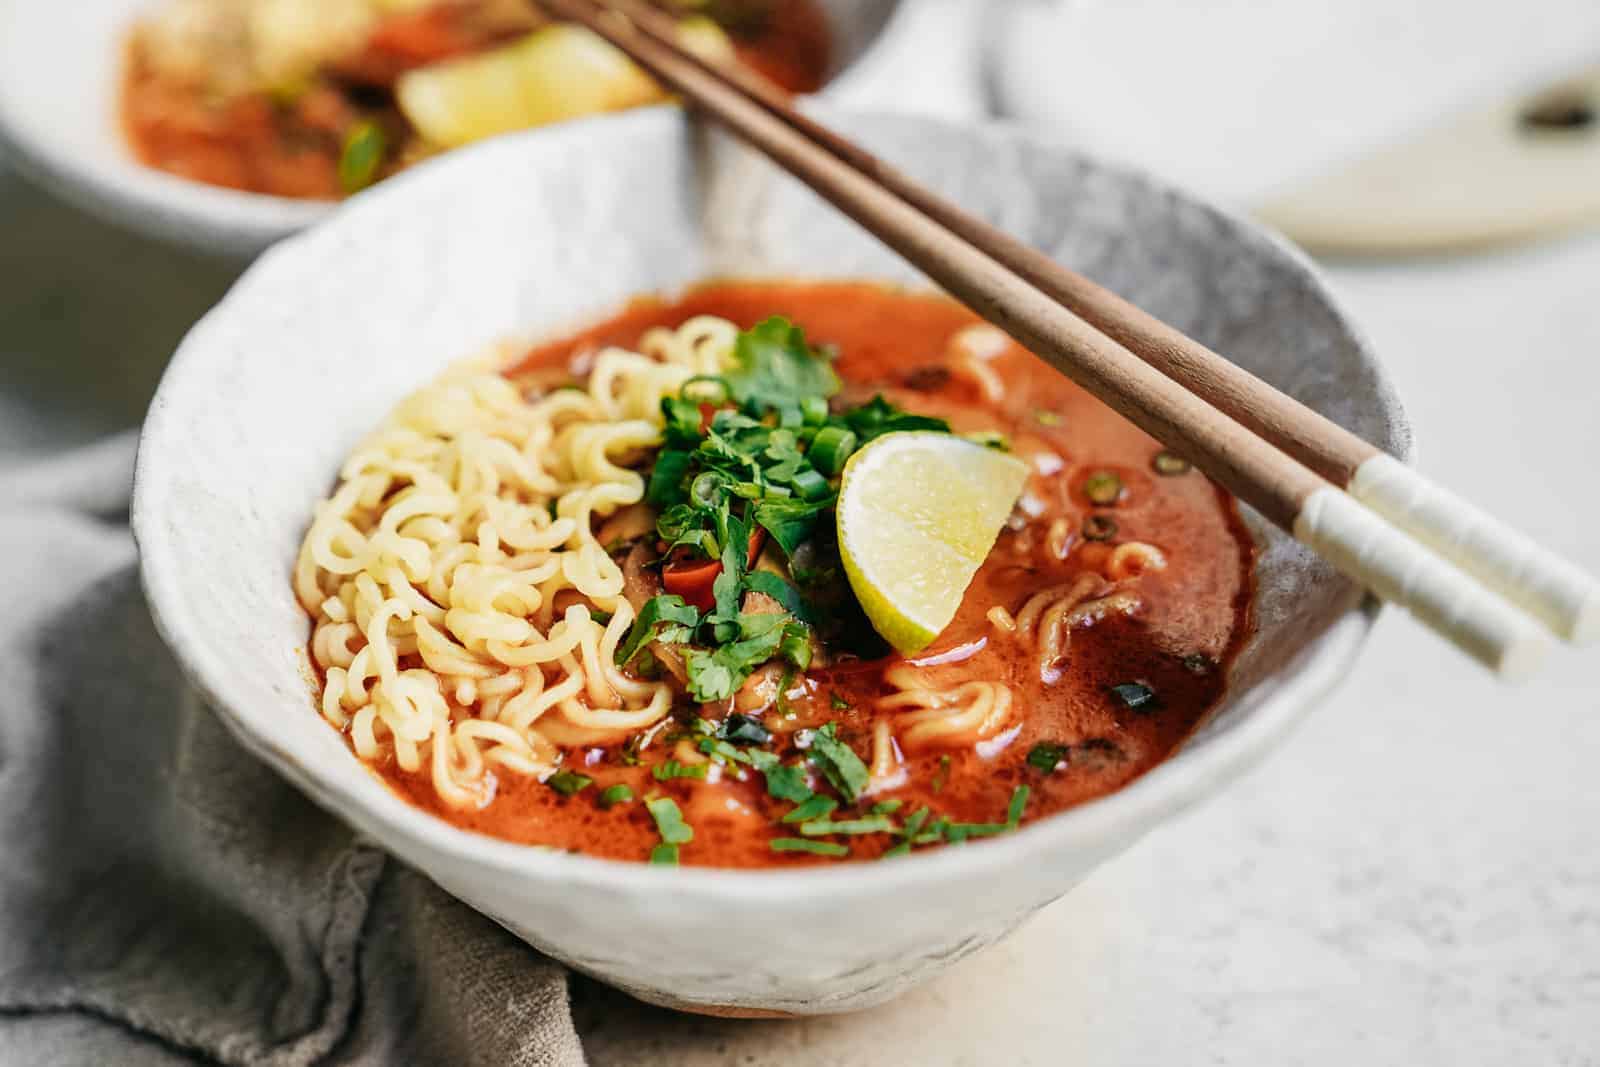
60 71
523 237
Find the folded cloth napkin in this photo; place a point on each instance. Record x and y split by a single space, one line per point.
164 898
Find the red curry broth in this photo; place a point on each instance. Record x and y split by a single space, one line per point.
1194 617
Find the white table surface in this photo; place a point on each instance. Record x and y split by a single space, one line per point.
1413 878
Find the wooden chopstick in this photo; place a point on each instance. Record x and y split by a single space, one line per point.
1555 591
1287 492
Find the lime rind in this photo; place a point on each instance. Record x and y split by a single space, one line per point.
918 513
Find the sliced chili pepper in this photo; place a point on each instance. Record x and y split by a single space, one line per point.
694 579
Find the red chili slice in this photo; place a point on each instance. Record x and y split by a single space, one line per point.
693 579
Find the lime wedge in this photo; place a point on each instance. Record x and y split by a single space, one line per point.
557 73
917 514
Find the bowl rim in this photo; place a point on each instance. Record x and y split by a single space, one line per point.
365 802
124 191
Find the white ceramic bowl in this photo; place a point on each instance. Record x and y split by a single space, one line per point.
531 234
60 72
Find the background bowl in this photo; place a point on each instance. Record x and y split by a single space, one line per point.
60 76
530 234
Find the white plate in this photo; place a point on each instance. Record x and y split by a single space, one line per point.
60 68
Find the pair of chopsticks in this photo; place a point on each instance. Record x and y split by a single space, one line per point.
1464 574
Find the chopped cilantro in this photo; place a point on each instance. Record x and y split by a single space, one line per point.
669 821
784 781
775 368
666 772
769 584
663 618
813 808
568 783
722 752
744 730
1046 756
872 824
614 795
838 762
801 844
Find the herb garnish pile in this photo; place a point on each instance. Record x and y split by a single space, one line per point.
831 762
749 458
752 454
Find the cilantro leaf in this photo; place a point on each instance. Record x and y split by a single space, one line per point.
784 781
568 783
718 673
666 479
663 772
769 584
816 807
775 368
838 762
744 730
790 521
663 618
878 417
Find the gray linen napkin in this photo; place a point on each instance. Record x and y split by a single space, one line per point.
164 898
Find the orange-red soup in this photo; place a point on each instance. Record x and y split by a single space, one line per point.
1189 620
290 143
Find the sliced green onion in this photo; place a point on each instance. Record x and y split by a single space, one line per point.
872 824
568 782
811 485
669 821
614 795
942 775
707 489
1168 465
902 849
796 648
1019 803
815 808
1099 528
884 807
1103 488
361 156
831 447
800 844
914 824
665 855
838 702
1046 756
814 410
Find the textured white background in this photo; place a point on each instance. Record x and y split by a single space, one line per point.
1413 878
